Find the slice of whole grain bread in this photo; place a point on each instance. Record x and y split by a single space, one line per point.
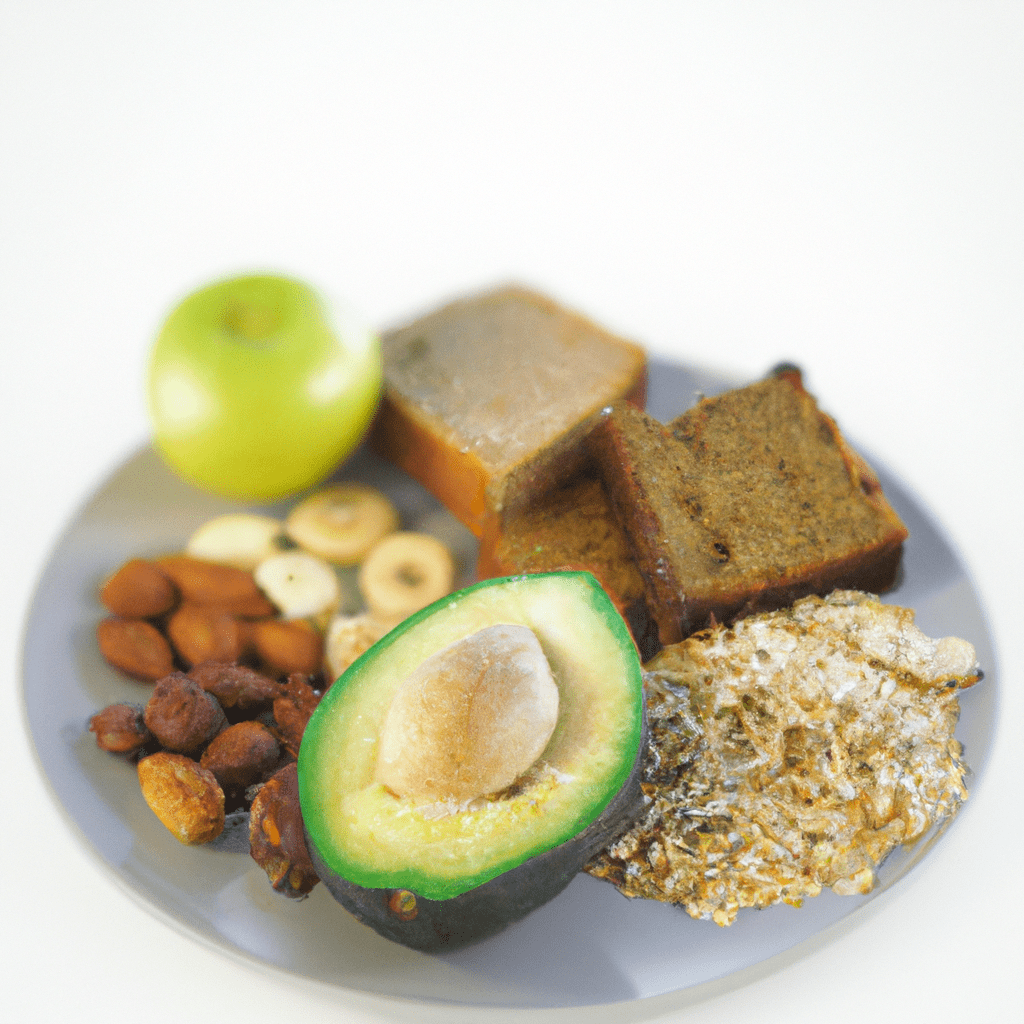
745 503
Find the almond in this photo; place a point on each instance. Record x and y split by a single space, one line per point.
222 586
138 590
136 647
205 633
288 646
243 754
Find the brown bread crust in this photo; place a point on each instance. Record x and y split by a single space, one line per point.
456 478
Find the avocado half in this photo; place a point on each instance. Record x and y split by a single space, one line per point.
436 878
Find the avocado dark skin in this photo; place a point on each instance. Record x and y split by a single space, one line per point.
440 925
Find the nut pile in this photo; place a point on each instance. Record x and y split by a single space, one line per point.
178 611
253 589
218 739
240 634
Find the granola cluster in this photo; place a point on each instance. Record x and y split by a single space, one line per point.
792 752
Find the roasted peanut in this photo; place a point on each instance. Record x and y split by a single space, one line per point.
182 715
235 686
243 754
138 590
276 837
292 710
183 795
136 647
120 728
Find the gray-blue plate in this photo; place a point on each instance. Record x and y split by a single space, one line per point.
589 946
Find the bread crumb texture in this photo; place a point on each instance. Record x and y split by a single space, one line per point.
504 373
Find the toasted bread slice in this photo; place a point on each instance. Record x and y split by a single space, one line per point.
745 503
487 399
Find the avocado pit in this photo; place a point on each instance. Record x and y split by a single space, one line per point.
471 718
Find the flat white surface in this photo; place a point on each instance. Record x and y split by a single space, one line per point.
838 185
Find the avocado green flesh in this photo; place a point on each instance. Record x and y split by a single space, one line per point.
370 837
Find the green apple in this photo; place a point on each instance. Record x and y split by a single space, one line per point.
258 390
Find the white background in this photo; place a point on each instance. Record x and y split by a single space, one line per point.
732 184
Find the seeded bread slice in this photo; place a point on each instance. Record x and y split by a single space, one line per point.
488 398
745 503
